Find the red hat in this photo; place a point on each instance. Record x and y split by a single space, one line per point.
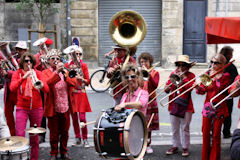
48 41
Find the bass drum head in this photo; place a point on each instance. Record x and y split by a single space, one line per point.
135 140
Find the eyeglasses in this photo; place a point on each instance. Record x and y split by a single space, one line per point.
127 77
215 62
78 54
28 60
55 58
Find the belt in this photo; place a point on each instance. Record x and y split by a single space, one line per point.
79 90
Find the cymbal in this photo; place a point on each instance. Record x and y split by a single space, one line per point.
12 143
36 130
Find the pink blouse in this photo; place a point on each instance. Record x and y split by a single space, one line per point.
61 95
139 95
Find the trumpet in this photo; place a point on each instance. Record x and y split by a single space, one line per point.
36 82
229 95
205 79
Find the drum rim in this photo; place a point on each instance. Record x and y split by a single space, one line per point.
126 135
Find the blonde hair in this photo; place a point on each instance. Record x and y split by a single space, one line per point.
220 58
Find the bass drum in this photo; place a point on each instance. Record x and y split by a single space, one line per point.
121 134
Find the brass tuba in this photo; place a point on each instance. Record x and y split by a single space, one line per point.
127 28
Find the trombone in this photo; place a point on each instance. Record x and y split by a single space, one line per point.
145 72
205 79
229 95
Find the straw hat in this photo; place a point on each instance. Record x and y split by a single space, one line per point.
21 45
183 58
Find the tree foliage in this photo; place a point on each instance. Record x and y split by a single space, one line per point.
40 9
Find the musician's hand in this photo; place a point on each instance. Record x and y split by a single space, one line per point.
144 68
197 86
4 73
79 77
27 74
59 67
238 84
111 70
119 107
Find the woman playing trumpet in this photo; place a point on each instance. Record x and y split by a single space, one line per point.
29 104
181 109
145 60
211 117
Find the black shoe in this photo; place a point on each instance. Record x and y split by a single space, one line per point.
227 135
65 157
41 139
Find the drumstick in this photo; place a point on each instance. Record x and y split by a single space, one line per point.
82 124
150 120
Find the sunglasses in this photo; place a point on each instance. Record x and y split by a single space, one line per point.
78 54
215 62
181 65
28 60
55 58
127 77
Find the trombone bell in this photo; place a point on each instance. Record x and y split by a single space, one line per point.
127 28
206 80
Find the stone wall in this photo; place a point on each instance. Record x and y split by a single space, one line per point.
84 24
172 30
11 19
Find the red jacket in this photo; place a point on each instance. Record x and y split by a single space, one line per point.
80 96
216 87
52 78
187 95
18 84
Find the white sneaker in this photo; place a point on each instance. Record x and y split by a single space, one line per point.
85 143
77 142
149 149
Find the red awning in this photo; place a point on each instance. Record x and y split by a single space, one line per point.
222 29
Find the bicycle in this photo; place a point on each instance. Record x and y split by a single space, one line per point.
98 80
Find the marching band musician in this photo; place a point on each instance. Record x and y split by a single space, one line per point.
135 97
80 97
58 103
215 118
121 55
28 104
42 54
10 98
145 60
181 109
227 51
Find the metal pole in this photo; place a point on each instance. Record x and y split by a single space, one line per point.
68 23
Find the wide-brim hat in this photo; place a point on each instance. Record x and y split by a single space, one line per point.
183 59
21 45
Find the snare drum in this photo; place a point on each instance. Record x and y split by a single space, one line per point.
22 153
121 134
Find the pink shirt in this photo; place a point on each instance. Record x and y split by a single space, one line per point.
61 95
139 95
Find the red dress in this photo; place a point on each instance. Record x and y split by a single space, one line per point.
150 86
79 92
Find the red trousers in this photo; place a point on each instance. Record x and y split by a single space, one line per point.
59 125
211 152
8 111
75 119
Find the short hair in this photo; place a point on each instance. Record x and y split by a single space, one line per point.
22 59
226 50
146 56
130 67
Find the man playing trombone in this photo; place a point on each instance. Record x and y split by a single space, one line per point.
181 109
114 69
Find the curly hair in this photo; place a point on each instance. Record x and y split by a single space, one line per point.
22 59
146 56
